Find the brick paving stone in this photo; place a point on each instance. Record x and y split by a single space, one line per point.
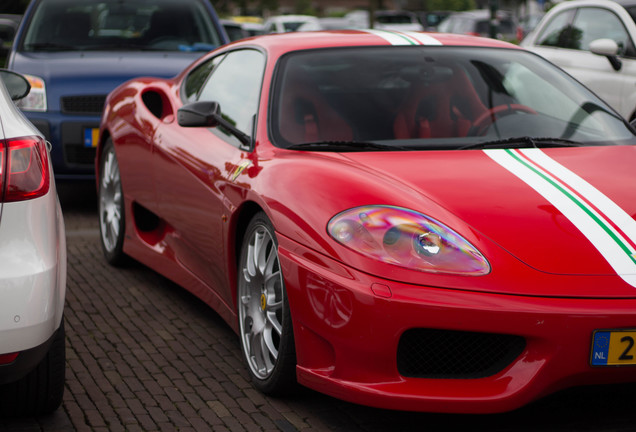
210 417
157 414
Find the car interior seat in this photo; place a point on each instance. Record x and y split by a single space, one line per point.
304 115
438 107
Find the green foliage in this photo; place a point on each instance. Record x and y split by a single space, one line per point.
304 7
454 5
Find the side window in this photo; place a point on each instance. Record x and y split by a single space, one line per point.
236 85
559 31
596 23
195 79
589 24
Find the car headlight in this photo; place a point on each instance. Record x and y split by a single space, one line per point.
408 239
36 99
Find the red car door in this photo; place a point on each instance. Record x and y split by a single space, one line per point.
192 166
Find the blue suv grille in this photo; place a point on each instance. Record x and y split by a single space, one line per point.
83 104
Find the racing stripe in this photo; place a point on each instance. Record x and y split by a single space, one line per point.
593 213
404 38
616 214
422 38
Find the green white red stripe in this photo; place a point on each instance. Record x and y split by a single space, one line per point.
608 227
405 37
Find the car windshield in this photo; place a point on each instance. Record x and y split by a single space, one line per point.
433 97
163 25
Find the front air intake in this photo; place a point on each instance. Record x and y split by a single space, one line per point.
451 354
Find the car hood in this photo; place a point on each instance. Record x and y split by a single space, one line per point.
566 211
97 73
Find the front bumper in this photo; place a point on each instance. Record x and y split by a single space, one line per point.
348 326
72 156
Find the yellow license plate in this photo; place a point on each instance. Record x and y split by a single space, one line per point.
613 348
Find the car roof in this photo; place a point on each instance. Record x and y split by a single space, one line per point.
291 18
626 2
295 41
575 3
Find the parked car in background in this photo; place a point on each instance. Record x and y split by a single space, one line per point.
32 264
233 29
593 40
253 29
386 20
431 19
287 23
478 22
407 220
329 24
252 25
75 51
397 20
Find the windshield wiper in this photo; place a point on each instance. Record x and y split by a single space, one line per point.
121 47
51 46
522 142
345 146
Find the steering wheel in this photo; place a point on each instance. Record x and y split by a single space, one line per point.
487 118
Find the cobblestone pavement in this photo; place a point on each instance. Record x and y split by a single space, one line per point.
144 355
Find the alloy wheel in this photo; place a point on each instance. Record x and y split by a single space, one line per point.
261 303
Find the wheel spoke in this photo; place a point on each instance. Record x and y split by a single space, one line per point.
269 349
251 260
271 280
275 324
261 259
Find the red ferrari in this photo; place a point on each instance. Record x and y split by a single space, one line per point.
402 220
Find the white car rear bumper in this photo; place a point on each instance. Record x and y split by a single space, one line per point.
32 272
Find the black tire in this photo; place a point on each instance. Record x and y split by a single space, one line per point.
263 310
110 200
41 390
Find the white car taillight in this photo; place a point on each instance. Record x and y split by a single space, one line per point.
24 169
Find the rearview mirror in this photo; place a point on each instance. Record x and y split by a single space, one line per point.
17 85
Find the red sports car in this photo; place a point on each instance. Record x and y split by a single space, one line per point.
403 220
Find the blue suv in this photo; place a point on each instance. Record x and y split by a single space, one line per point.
74 52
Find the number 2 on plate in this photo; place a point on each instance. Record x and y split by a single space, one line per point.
629 341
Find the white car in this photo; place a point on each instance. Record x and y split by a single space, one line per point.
593 40
32 264
288 23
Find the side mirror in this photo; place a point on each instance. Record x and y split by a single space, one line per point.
199 114
208 114
607 48
17 85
